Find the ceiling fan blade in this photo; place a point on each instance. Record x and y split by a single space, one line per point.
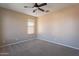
27 7
41 9
43 4
34 10
47 11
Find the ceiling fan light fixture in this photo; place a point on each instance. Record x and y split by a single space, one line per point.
37 7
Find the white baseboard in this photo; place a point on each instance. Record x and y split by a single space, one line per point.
61 44
15 43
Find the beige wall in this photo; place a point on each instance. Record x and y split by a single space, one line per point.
0 29
14 26
60 26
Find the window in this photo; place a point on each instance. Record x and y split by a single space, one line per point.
30 26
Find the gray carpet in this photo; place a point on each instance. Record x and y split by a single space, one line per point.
38 48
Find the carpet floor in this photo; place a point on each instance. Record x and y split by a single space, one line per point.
37 48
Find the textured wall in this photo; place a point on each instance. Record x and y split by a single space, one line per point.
14 26
61 27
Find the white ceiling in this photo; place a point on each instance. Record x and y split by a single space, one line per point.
20 7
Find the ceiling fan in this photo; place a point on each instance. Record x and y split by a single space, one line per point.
37 6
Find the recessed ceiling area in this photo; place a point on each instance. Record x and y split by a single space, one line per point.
19 7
